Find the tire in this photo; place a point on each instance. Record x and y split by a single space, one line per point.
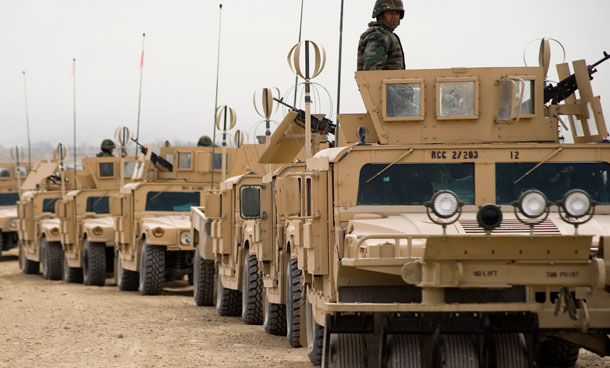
152 269
72 274
52 257
27 267
404 351
293 303
509 350
274 322
203 280
228 301
127 280
94 264
315 336
252 292
347 351
555 352
457 351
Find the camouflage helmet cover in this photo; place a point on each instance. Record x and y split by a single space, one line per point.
204 141
107 145
383 5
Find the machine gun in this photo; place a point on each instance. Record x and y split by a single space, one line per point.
321 126
565 88
156 159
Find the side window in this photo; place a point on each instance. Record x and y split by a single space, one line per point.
308 198
106 169
184 160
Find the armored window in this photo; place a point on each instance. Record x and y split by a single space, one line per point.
98 204
413 184
129 168
457 98
554 179
217 161
184 160
250 201
5 172
22 171
308 199
48 205
403 99
8 199
516 99
170 158
106 169
171 201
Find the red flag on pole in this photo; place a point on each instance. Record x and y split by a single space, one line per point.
73 66
142 60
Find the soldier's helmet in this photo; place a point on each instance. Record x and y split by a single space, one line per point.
204 141
107 145
383 5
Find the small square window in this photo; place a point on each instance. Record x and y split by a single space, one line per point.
106 169
184 160
5 172
403 99
457 98
23 171
217 162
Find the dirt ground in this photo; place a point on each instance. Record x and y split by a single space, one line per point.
53 324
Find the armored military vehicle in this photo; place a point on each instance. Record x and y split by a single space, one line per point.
38 227
224 235
9 195
153 227
450 227
87 229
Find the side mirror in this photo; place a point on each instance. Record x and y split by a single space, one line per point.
213 202
250 202
115 206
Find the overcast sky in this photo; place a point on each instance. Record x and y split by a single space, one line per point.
105 36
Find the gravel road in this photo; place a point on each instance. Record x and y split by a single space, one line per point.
53 324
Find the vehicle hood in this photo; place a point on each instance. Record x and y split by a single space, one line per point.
99 221
8 211
169 222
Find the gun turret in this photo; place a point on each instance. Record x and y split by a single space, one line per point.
156 159
321 126
564 89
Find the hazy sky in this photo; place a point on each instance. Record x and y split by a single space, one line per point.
105 36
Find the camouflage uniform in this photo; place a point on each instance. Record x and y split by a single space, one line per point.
380 48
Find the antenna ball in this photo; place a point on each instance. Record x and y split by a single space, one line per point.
143 34
220 6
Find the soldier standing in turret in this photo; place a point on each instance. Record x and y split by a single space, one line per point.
106 148
379 47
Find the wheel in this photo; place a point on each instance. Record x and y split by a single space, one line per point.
509 350
228 302
404 351
126 279
152 269
252 292
72 274
274 322
293 303
94 264
203 280
555 352
457 351
27 267
347 350
315 336
52 256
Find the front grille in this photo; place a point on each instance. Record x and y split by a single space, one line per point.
510 226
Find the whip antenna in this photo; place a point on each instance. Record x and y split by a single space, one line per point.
140 91
216 98
27 122
74 108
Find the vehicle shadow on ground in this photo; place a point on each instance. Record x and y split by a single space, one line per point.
8 258
178 288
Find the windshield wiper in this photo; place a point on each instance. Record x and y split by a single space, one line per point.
559 149
403 155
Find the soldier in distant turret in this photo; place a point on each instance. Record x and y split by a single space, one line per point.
106 148
379 47
204 141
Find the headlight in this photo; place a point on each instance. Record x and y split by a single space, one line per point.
54 231
489 217
14 223
532 203
97 230
445 204
576 203
185 238
158 232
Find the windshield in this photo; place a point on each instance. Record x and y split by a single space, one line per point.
554 179
98 204
8 199
171 201
48 204
414 184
